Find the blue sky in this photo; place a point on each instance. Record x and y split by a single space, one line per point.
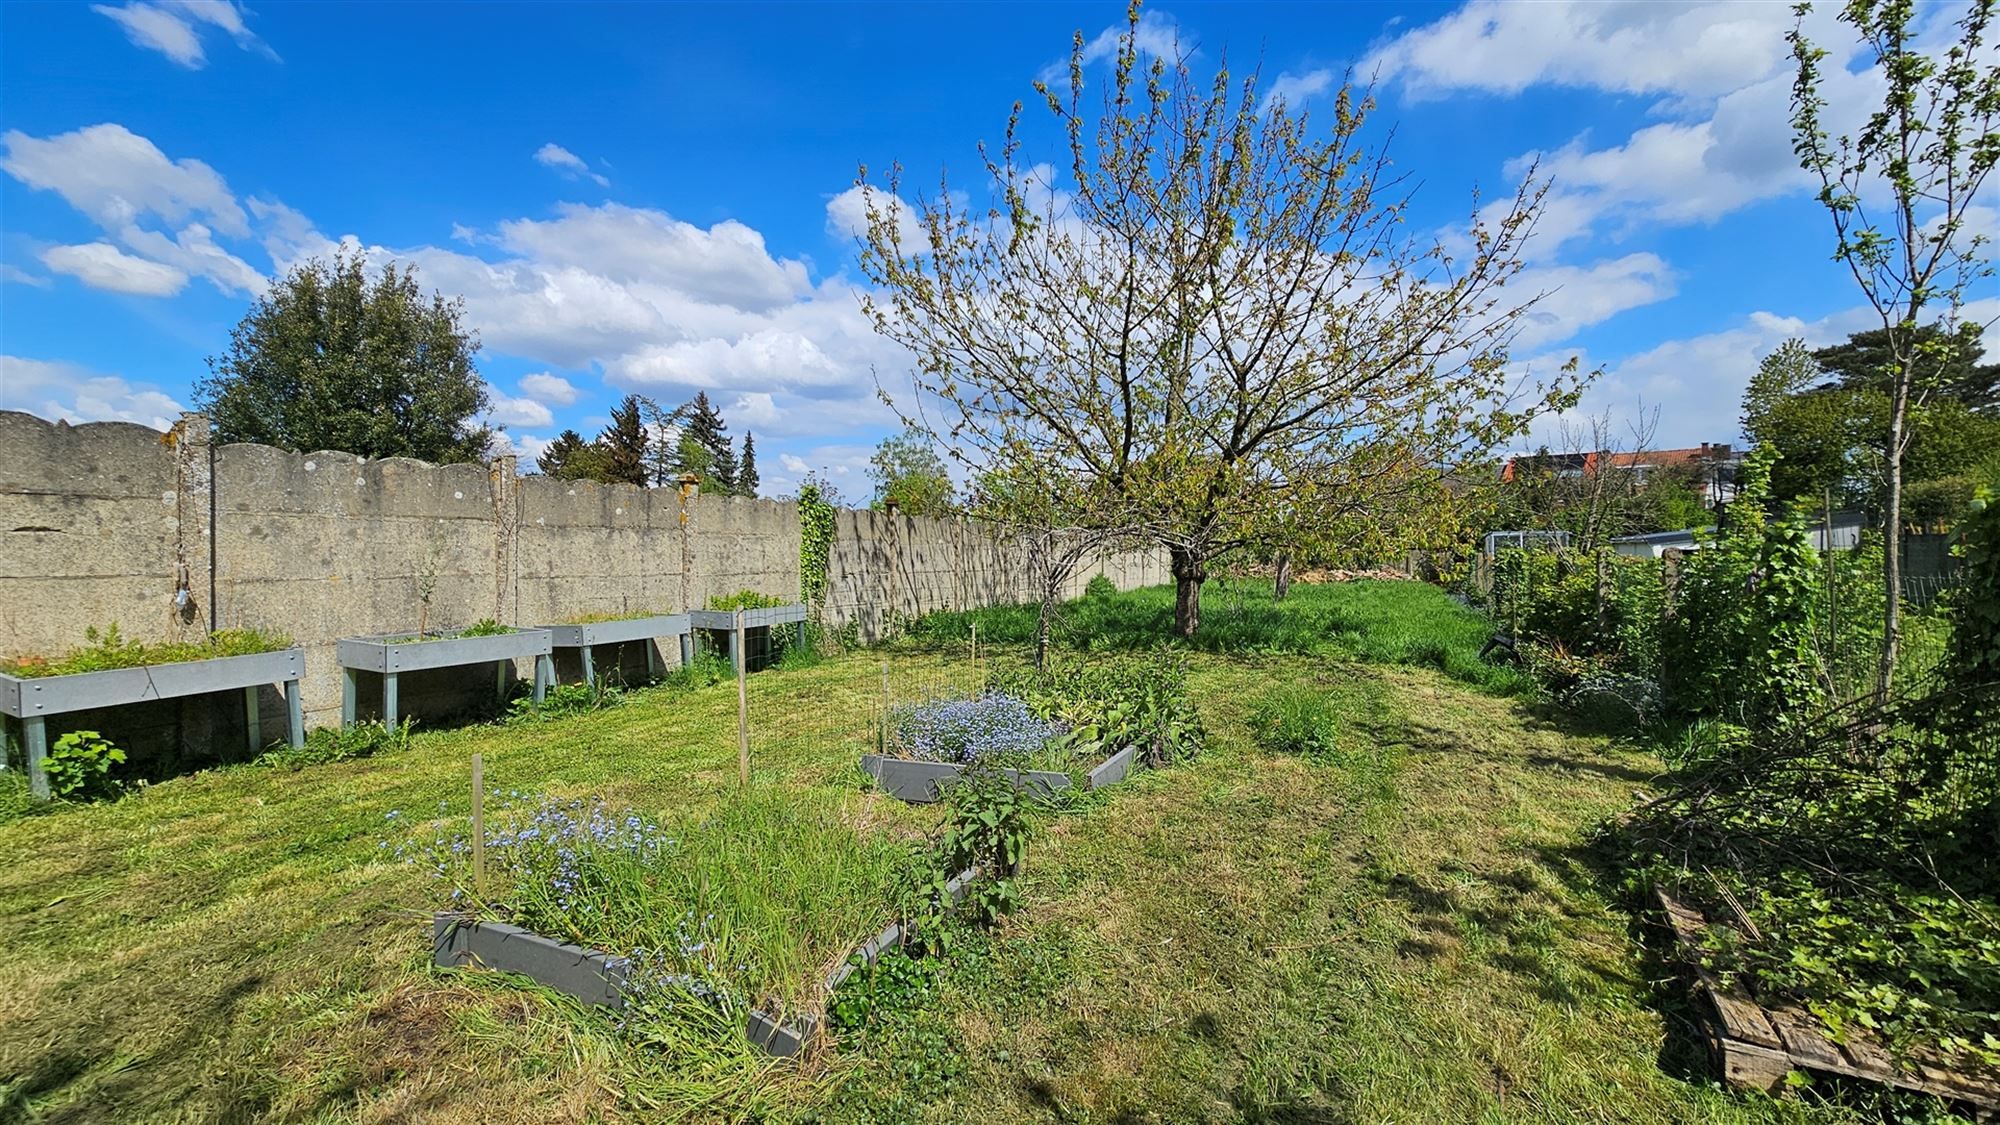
650 197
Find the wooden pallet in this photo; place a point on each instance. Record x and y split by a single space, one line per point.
1755 1046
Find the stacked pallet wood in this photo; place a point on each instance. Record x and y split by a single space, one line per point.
1755 1046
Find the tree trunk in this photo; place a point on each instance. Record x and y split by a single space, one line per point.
1042 631
1190 568
1892 542
1282 584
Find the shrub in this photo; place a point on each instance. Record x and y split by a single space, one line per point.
1099 587
1294 719
563 701
1106 704
79 765
340 744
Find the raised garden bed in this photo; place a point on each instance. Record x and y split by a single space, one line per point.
1755 1046
722 623
36 699
460 941
389 654
624 630
922 782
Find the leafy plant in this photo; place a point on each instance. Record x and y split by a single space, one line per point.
340 744
991 824
485 627
108 648
79 764
564 701
744 599
1099 587
1105 705
816 517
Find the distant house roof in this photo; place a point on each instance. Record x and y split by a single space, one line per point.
1588 464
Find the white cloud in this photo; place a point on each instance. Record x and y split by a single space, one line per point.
157 30
194 251
545 387
170 27
117 178
1628 46
1577 297
847 214
1296 89
504 410
15 275
794 464
1697 382
555 156
101 265
71 393
1156 37
755 410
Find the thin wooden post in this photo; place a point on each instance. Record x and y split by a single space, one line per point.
885 707
742 706
975 648
479 825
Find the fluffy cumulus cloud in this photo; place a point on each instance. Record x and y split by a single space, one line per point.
71 393
1722 73
553 155
1623 46
174 28
847 214
101 265
166 212
505 410
552 389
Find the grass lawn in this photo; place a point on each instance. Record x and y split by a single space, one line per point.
1410 929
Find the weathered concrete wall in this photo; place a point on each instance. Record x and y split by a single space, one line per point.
170 537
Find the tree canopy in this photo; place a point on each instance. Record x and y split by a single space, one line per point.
330 358
1221 302
906 469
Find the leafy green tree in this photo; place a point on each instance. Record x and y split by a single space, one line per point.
907 469
746 471
1220 297
330 359
1829 424
625 442
1928 151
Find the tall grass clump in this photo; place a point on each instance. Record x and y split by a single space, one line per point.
1296 719
749 904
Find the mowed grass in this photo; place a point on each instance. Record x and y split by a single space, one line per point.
1411 928
238 944
1385 622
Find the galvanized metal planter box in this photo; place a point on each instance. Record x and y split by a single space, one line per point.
921 782
389 654
602 979
34 699
723 622
623 631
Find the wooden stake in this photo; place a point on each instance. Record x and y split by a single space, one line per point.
885 707
479 825
975 649
742 706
